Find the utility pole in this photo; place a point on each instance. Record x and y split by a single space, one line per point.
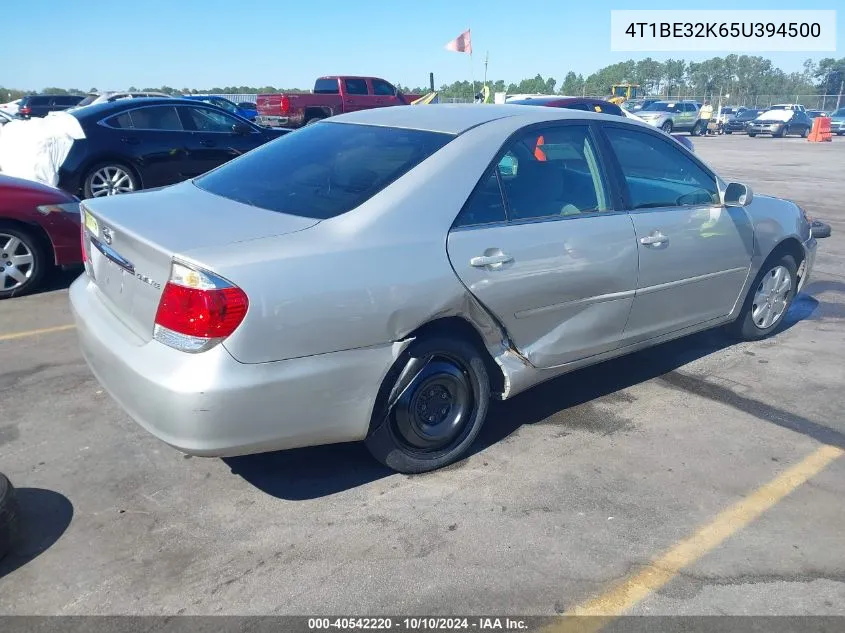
839 96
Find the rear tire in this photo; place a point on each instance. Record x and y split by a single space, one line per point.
9 516
768 300
752 134
441 393
23 254
108 179
728 132
805 132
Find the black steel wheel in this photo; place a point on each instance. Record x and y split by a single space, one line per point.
431 407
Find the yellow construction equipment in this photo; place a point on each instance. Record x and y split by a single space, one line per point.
620 93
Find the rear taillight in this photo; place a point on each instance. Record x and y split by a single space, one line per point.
25 111
284 104
197 309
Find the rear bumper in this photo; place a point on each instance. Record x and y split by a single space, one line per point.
209 404
810 247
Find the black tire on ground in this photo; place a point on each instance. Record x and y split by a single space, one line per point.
435 371
699 128
744 328
805 132
752 134
728 132
840 133
781 132
89 176
41 262
9 516
667 127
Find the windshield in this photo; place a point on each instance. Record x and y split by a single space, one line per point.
324 170
659 106
747 115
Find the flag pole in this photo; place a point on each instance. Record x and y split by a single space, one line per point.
471 68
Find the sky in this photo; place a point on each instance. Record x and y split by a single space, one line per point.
206 43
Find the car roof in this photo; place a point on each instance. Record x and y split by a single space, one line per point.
100 110
459 117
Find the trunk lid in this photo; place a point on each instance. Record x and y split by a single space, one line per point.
131 240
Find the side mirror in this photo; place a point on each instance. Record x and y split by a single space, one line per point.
738 195
239 129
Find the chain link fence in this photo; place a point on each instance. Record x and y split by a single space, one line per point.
827 103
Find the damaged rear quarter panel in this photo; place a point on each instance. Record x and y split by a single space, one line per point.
367 278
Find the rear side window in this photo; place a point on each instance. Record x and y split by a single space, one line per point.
326 87
164 118
324 170
38 101
355 86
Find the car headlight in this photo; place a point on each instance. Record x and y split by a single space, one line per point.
67 207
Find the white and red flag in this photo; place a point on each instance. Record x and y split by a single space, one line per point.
461 44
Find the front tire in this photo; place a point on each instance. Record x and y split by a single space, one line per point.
768 300
24 260
431 407
667 127
109 179
9 518
752 134
805 132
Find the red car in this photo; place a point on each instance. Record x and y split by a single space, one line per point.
39 229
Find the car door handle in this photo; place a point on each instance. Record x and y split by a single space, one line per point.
490 260
131 140
206 143
654 239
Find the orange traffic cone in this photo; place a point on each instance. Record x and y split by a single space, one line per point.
821 130
539 154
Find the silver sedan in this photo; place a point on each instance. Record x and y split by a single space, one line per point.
380 276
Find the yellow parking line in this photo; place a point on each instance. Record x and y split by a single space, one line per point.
28 333
658 573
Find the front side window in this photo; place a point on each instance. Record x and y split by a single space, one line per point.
382 88
658 174
207 120
553 172
322 171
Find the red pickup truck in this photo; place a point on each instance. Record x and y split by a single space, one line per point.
331 95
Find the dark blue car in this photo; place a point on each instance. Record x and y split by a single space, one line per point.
244 110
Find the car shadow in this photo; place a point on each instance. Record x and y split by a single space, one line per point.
58 279
311 473
44 516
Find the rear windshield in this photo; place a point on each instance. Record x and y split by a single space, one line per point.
326 87
324 170
88 100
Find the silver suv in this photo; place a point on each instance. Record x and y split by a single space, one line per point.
671 116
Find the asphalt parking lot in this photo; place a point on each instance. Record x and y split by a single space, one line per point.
701 477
